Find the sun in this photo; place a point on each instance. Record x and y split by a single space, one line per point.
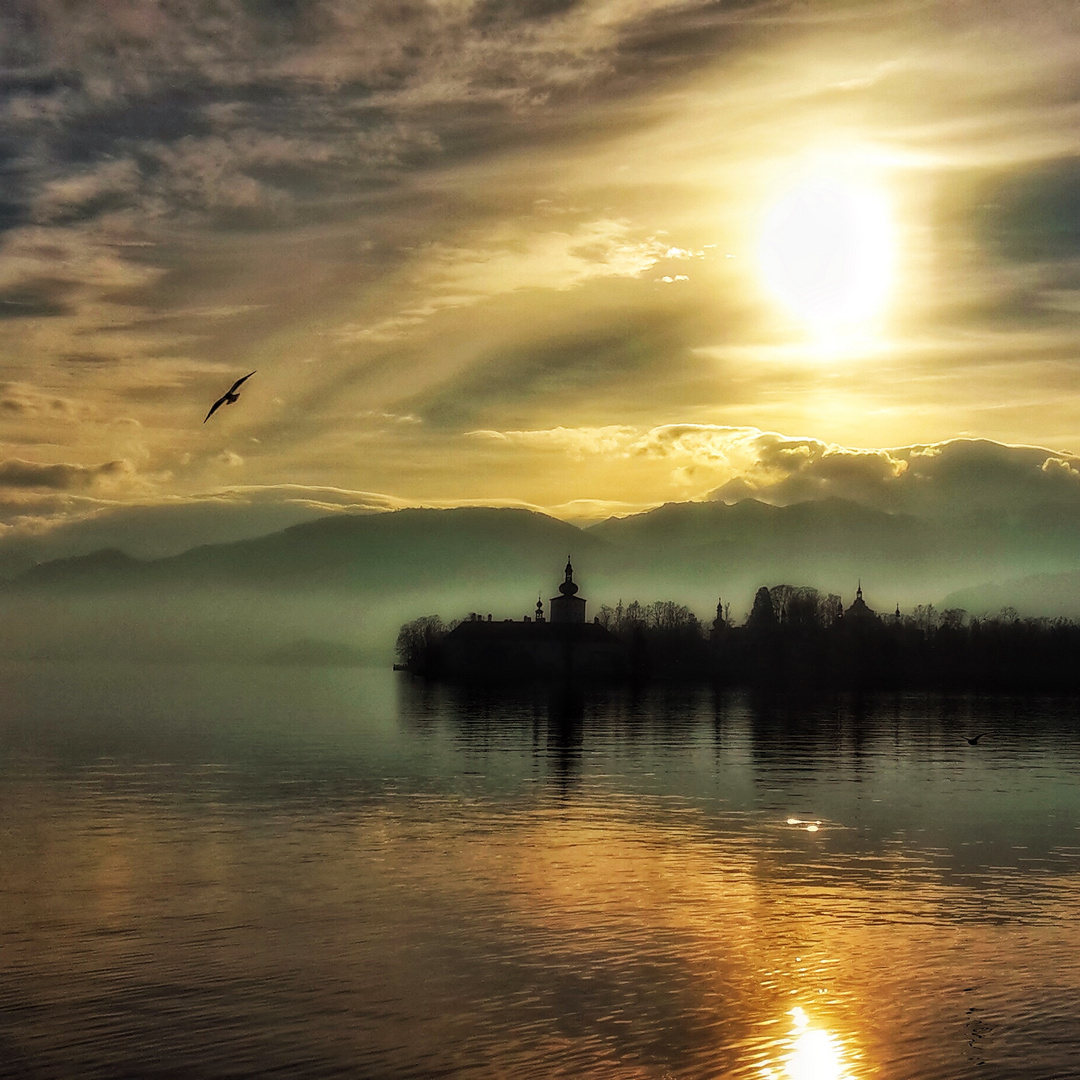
827 251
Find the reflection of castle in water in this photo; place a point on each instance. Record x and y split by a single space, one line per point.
563 645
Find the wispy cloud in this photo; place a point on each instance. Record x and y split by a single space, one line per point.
576 441
514 259
956 476
62 477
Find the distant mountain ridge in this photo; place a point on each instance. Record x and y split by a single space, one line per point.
1042 595
685 551
403 548
834 524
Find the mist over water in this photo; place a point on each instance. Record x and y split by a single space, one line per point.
238 871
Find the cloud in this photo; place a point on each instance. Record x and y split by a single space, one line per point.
207 176
579 442
107 186
113 51
554 370
229 107
958 476
33 300
21 399
583 512
15 473
953 477
517 258
37 524
1033 214
80 260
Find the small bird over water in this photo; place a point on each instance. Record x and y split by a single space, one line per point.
229 396
974 740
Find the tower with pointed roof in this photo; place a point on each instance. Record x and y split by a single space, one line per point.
859 611
568 607
561 646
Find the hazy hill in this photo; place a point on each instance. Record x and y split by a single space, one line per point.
831 543
404 550
1050 595
353 579
752 528
684 551
348 581
104 569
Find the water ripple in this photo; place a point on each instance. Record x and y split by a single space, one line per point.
678 886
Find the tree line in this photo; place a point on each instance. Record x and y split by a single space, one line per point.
796 635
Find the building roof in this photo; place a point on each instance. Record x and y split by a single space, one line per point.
479 630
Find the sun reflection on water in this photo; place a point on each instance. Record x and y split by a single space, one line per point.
814 1054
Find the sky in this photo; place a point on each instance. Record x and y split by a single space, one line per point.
587 257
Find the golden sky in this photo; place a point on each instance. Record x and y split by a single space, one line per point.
583 256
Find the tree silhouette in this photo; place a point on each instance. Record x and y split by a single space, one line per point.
796 637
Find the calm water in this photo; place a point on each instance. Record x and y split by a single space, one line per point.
212 872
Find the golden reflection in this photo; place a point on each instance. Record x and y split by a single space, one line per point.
815 1054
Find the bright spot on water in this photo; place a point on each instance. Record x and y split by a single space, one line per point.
814 1055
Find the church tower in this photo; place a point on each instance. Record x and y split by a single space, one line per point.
859 611
568 607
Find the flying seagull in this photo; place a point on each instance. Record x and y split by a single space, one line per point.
229 396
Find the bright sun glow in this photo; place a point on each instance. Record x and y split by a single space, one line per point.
814 1053
827 251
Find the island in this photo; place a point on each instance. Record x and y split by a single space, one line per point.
793 637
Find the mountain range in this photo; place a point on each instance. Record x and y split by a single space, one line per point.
356 577
683 547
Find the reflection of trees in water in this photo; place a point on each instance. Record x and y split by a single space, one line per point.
791 736
420 700
810 730
544 720
796 733
554 721
565 733
785 728
791 728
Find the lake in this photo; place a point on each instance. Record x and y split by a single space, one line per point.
320 872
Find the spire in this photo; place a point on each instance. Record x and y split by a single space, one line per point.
539 610
568 588
858 610
567 607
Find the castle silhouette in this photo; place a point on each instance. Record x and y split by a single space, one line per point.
563 645
794 637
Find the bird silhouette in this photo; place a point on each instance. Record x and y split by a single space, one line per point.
229 396
974 740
